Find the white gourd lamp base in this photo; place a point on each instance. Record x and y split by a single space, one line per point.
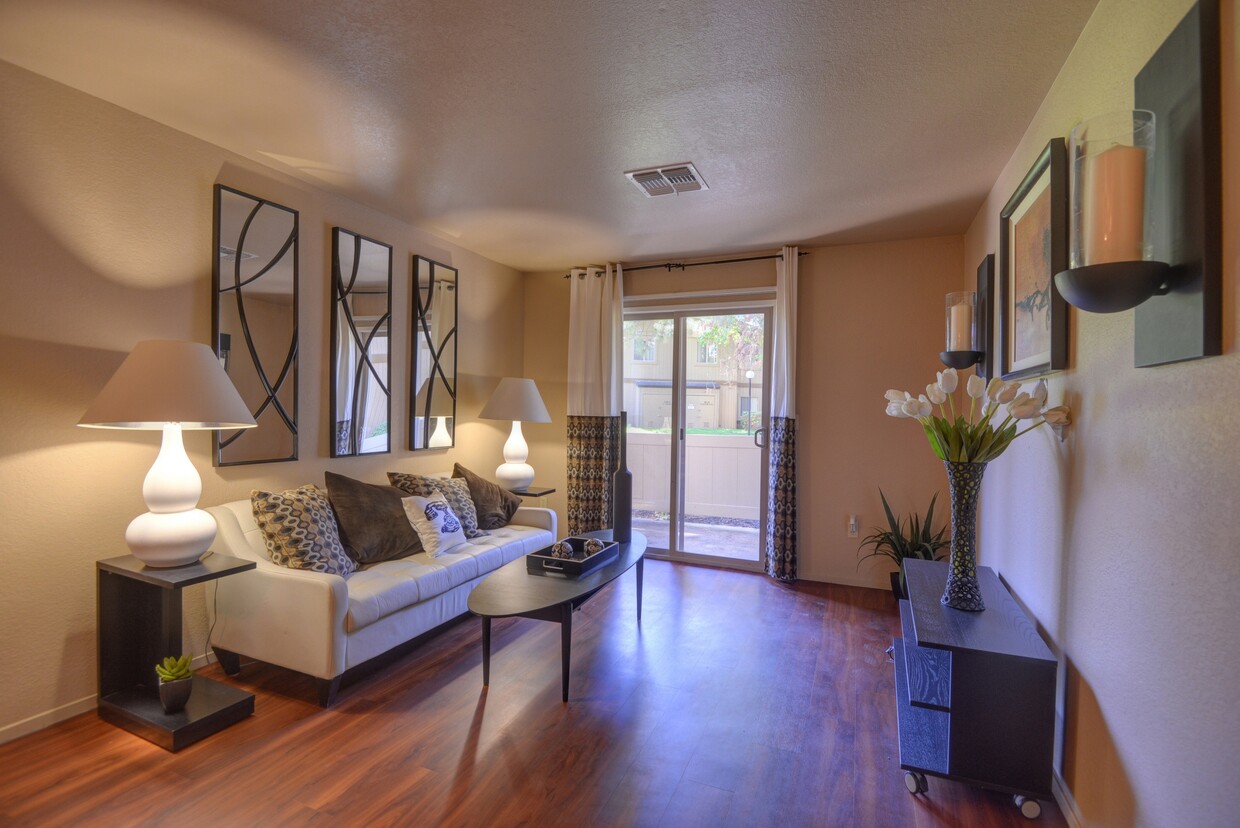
174 532
514 472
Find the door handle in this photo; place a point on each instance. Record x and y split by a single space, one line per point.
757 440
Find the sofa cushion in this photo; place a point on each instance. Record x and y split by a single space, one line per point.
495 505
455 491
438 527
372 520
300 530
384 588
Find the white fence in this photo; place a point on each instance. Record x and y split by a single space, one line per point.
722 474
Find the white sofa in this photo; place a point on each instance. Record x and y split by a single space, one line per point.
323 624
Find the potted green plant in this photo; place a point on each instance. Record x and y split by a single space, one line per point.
911 538
175 683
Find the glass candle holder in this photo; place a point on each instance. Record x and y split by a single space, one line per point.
962 321
1110 155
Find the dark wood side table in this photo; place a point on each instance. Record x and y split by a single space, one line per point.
532 491
139 624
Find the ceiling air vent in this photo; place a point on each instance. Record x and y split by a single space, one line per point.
673 179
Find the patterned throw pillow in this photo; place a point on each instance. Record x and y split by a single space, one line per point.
454 490
300 530
438 527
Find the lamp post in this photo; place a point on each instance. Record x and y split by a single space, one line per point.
749 410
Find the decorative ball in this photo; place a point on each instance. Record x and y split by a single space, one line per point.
561 549
593 546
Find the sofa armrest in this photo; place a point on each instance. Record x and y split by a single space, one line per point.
537 517
294 618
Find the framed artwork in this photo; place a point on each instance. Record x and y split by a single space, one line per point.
1033 247
985 310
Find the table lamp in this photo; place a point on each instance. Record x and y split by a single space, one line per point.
518 400
170 386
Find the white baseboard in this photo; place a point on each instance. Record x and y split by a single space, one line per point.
67 711
1067 804
46 719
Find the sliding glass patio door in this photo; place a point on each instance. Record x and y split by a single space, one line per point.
695 392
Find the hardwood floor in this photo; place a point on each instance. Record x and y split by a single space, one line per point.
738 702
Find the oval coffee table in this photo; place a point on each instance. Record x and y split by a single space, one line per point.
512 591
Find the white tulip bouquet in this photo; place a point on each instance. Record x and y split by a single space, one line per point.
975 438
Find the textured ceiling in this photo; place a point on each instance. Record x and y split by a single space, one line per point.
506 126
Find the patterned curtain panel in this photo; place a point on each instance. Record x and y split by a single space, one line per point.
781 501
593 450
781 522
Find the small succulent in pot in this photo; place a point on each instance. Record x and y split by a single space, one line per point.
175 682
173 669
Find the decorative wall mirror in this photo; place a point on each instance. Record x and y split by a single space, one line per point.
361 399
255 323
432 408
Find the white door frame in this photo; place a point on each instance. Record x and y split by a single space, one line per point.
678 313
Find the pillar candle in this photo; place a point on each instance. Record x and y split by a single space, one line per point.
1114 208
961 334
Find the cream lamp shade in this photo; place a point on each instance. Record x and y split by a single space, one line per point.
170 386
518 400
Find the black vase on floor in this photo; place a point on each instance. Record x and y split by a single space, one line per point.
622 490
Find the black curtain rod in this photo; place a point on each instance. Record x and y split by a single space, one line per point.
670 266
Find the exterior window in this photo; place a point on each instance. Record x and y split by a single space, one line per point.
707 353
643 350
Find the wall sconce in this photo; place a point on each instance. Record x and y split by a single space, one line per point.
1111 249
1174 279
962 346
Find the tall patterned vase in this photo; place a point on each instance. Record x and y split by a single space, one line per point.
965 481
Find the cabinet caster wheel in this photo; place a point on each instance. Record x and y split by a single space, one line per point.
1029 808
915 782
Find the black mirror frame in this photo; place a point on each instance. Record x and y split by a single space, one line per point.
421 332
223 343
341 290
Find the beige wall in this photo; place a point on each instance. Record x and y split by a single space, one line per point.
105 224
1122 540
847 447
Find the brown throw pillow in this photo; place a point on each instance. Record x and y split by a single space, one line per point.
495 505
373 525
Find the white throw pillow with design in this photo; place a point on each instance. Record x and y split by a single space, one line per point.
438 527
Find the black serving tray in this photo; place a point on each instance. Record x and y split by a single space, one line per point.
541 562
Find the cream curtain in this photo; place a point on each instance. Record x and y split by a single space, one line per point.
595 332
595 395
781 525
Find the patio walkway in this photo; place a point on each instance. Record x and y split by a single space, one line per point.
736 542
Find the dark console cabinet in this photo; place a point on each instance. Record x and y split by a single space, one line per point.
975 692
